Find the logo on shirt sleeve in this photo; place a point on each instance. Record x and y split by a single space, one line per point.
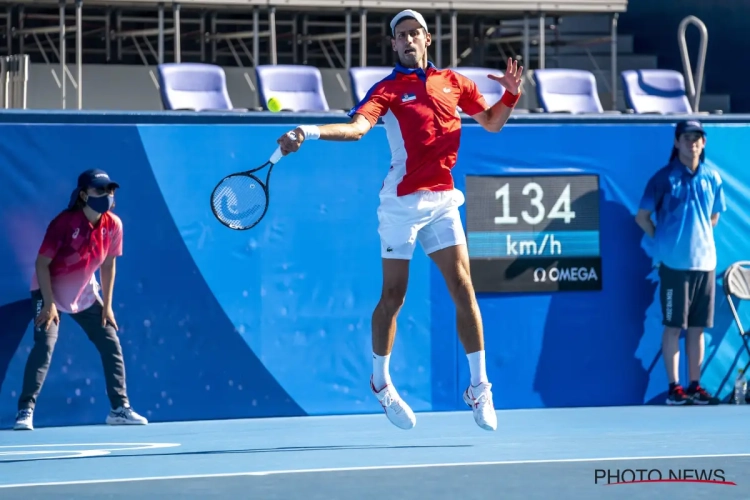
408 97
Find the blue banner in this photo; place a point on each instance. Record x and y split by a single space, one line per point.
276 320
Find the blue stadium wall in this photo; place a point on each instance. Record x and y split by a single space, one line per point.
276 321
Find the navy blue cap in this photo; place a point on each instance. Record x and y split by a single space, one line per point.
95 178
687 126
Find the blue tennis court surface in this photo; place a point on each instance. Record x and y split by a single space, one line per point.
570 453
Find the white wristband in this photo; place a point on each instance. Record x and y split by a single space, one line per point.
312 132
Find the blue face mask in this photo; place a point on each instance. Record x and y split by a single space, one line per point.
100 204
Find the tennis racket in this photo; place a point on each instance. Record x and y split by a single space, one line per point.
240 200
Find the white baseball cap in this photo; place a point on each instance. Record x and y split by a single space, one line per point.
405 14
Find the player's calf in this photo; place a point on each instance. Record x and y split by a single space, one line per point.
384 319
392 297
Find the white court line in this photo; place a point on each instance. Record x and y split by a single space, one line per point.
140 446
368 468
11 451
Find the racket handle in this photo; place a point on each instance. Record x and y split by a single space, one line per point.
276 156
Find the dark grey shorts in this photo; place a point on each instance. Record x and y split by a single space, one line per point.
687 297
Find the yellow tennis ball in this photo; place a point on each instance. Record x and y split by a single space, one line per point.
274 105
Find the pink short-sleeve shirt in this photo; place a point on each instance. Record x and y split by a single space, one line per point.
77 249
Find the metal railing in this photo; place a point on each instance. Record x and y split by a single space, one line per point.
694 83
14 74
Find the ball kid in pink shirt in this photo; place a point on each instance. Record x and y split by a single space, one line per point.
80 240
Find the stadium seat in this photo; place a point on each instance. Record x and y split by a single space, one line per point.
362 79
567 91
297 88
193 86
737 285
490 89
655 91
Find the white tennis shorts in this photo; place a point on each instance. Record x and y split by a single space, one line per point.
427 216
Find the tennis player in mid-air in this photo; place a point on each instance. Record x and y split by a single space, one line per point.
418 103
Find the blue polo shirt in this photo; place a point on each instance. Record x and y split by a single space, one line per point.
682 203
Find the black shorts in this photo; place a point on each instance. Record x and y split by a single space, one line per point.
687 297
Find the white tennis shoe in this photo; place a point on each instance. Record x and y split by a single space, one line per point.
125 415
479 398
397 411
24 420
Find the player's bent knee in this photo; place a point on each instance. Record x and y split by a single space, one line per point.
460 287
394 294
393 298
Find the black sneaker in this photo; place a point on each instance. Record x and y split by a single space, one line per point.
699 396
678 397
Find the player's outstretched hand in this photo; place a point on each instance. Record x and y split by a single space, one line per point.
511 80
291 141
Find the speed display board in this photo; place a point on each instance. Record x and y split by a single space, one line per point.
533 233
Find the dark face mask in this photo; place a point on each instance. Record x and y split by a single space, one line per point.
100 204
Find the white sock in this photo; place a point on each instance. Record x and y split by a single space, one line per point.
477 368
380 375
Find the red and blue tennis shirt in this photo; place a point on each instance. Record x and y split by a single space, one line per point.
422 122
77 249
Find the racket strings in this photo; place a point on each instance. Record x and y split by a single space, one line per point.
240 201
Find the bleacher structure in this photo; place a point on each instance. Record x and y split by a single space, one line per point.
110 50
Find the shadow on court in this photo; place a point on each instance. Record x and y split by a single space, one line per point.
15 318
599 332
283 449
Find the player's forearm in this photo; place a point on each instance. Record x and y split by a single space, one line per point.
107 272
336 132
500 112
499 115
341 132
45 279
647 226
